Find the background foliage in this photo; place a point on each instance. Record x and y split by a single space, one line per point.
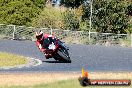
71 3
109 16
113 16
19 12
49 18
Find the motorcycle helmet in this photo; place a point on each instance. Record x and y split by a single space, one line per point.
39 35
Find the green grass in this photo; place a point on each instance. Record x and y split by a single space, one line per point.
7 59
64 84
69 84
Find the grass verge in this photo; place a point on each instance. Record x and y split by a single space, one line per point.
65 84
7 59
56 80
72 84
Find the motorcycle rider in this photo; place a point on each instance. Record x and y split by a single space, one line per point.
42 42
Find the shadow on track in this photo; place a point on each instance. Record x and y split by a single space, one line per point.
54 61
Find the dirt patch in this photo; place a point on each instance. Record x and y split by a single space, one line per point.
32 78
39 78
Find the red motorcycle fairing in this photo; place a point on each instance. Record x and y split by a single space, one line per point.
59 52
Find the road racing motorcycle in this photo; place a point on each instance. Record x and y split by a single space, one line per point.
56 49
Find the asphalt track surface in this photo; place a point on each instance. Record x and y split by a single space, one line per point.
91 57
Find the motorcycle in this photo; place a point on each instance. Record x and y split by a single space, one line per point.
56 49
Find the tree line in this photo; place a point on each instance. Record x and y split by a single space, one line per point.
114 16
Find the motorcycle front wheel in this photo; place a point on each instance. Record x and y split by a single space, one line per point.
64 55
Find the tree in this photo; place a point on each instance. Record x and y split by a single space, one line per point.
50 18
86 11
70 20
71 3
109 16
129 13
129 10
39 3
18 12
129 29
